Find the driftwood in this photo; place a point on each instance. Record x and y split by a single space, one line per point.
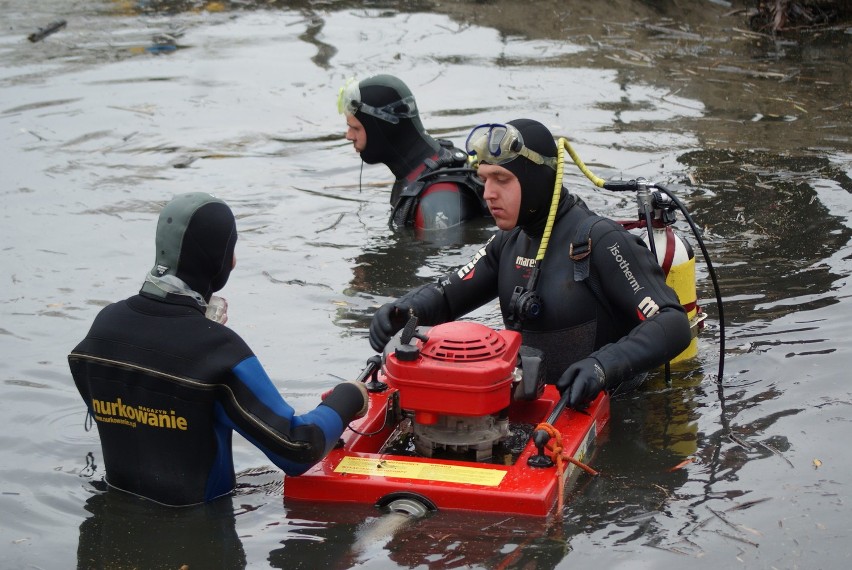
771 16
42 33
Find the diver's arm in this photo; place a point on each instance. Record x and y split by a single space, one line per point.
635 287
451 297
255 409
475 283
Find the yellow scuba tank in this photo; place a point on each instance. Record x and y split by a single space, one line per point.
677 259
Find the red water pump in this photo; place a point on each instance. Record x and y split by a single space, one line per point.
456 382
453 409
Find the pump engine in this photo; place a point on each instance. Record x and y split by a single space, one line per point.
456 381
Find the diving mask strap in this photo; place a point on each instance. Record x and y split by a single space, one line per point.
349 101
537 158
387 113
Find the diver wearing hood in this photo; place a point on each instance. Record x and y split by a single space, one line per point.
598 333
168 386
434 189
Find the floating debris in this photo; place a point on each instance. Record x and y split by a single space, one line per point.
183 162
49 29
746 505
682 464
776 452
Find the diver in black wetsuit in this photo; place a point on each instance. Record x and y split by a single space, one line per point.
601 318
167 386
434 188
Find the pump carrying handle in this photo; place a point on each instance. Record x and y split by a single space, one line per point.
372 366
540 437
371 371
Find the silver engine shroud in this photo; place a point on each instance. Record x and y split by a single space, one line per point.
460 434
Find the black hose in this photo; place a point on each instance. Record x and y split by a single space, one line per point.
710 270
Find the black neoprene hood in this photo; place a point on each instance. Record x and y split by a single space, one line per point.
537 180
196 236
401 146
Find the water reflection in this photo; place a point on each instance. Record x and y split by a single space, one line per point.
390 265
770 210
124 531
668 412
358 536
640 457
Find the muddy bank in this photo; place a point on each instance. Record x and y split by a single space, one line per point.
779 16
758 91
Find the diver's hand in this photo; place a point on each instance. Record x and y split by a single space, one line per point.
217 310
364 394
388 320
349 399
582 381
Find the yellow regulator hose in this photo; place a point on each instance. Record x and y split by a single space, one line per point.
561 146
599 182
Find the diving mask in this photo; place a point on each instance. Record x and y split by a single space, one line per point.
349 101
498 144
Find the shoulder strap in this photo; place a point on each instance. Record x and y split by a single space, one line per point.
579 252
446 159
581 247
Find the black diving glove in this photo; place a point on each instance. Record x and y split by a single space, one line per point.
349 399
427 302
583 381
388 320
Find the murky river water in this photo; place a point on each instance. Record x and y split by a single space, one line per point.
107 119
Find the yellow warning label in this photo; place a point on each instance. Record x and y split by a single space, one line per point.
423 471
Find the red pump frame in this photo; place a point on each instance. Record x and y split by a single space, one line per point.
356 473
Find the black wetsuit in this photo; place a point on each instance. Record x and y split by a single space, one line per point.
440 193
632 324
167 386
396 138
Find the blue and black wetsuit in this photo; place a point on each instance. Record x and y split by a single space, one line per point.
167 387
